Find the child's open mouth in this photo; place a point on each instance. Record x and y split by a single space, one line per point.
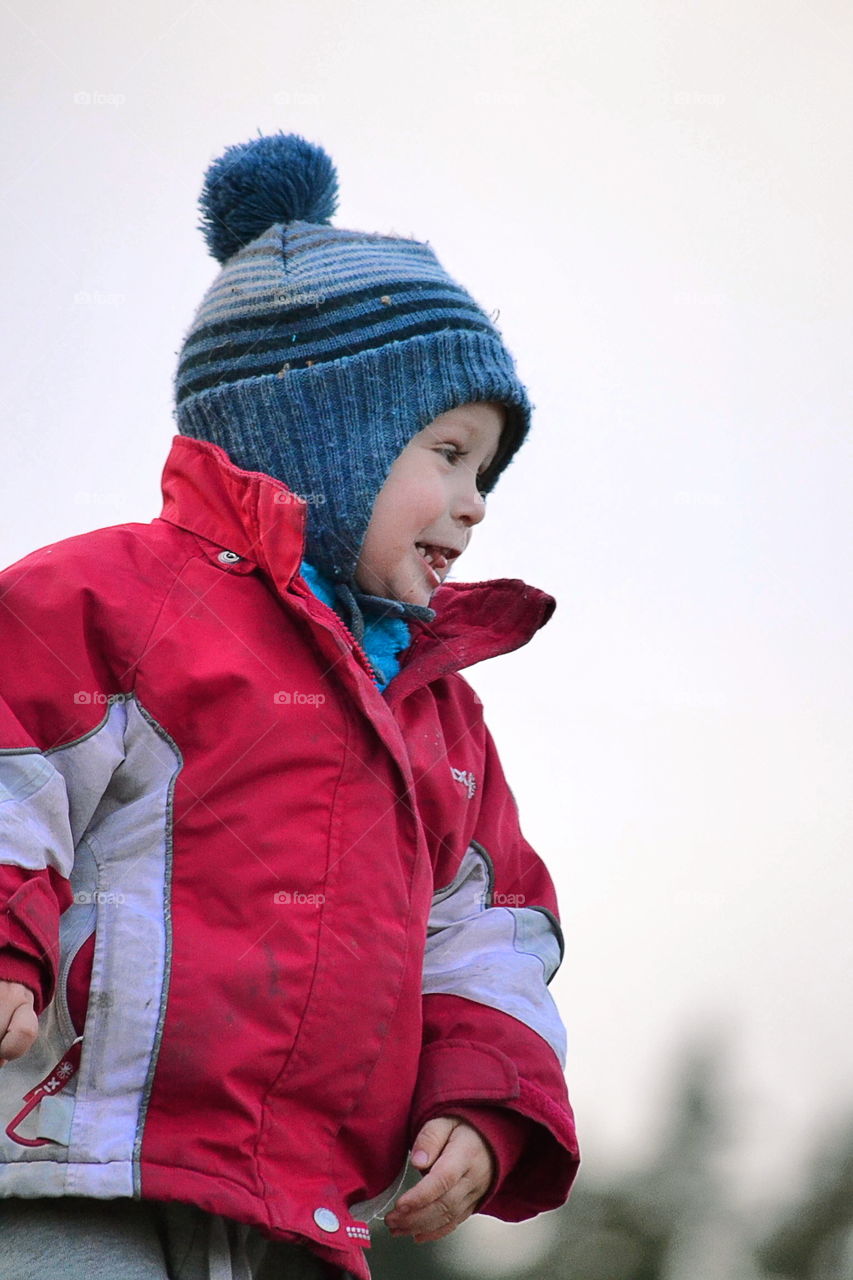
437 558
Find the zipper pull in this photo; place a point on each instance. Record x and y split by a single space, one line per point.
54 1082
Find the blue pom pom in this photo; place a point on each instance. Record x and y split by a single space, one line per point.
280 178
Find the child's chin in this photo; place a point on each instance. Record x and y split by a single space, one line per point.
411 597
410 589
405 592
418 593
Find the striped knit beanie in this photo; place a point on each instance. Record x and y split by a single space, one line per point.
318 353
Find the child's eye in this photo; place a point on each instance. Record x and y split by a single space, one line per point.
453 454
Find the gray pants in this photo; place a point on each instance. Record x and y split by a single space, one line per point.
87 1239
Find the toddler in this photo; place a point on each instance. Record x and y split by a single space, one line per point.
268 924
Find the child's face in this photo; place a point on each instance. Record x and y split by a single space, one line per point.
424 514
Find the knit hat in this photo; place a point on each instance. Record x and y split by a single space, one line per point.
318 353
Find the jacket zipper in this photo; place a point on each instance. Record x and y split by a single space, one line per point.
356 648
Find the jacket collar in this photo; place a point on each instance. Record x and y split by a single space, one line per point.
474 621
263 522
247 512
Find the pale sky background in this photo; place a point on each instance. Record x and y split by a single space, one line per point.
657 198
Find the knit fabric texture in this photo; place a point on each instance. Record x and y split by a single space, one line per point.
318 353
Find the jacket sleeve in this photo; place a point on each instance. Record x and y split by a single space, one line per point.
493 1038
54 692
36 853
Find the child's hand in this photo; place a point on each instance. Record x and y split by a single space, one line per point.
461 1167
18 1022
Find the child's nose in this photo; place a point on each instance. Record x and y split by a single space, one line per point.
471 505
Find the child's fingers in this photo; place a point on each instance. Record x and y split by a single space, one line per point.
431 1141
445 1199
451 1190
21 1029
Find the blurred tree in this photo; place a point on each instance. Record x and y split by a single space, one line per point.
814 1239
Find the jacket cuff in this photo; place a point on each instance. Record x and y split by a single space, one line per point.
20 968
29 927
448 1072
479 1057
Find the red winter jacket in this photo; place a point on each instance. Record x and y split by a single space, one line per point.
297 916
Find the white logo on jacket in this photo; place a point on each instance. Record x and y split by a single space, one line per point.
466 777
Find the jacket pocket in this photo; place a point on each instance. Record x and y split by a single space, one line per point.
74 997
77 928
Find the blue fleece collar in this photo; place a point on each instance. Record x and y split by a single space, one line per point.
384 637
